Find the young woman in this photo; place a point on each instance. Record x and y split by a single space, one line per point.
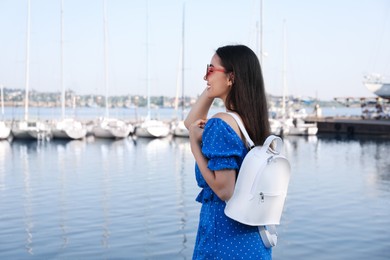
234 75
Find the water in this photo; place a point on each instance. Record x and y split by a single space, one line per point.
338 205
135 199
132 114
97 199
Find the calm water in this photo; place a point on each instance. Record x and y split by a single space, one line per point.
135 199
17 113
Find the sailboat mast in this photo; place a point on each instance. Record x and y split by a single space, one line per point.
105 57
147 58
27 62
62 62
2 101
261 34
178 82
182 63
284 76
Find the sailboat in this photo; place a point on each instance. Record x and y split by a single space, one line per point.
66 128
150 128
5 130
178 127
28 129
109 127
292 124
298 126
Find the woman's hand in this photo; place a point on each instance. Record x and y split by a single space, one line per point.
196 130
199 110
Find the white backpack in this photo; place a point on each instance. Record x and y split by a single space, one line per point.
261 187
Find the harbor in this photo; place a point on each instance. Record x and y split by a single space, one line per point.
135 199
47 123
96 163
373 119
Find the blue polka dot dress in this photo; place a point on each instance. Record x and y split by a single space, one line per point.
220 237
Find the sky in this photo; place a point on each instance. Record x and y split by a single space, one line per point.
323 49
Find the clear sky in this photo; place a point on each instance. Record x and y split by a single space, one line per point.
330 45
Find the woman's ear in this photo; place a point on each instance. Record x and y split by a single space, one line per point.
231 78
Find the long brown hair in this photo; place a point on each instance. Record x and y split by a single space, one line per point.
247 96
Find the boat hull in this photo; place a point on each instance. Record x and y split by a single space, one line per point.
297 126
69 129
303 130
30 130
112 129
100 132
377 85
152 129
379 89
69 134
5 131
152 132
179 129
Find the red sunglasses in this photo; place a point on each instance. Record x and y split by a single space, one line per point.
210 69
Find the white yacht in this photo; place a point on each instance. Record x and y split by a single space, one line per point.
377 85
179 129
30 130
112 128
152 128
297 126
109 127
69 128
66 128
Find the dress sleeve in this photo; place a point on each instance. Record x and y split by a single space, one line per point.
222 146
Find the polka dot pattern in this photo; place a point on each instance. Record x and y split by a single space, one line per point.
220 237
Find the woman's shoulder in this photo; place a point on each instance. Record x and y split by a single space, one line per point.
223 122
220 137
229 120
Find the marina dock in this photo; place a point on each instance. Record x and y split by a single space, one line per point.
352 126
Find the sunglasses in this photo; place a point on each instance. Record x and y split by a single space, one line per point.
210 69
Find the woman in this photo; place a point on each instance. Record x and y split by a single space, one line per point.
234 75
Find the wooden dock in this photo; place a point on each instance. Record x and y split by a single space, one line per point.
352 126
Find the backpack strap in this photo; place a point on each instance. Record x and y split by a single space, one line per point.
268 235
267 143
249 141
279 144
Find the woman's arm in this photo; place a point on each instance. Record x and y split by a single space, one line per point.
221 182
199 110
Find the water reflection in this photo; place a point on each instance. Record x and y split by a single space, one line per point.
63 203
28 209
105 149
181 147
372 152
5 152
68 153
25 153
113 156
293 144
